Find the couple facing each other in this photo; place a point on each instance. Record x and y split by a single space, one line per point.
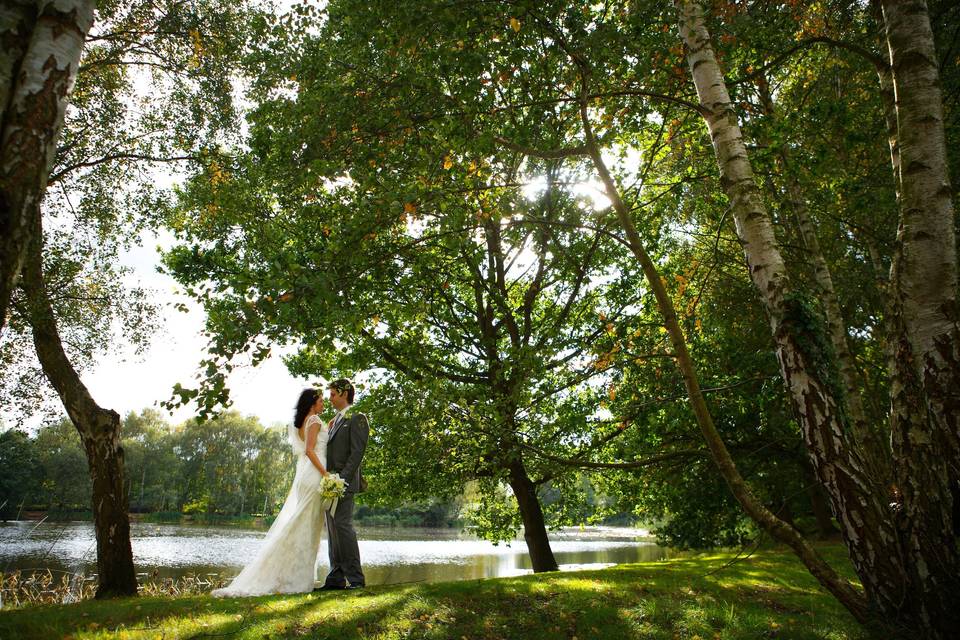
286 560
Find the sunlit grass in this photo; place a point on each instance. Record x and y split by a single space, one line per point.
767 595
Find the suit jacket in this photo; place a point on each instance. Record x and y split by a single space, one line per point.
345 450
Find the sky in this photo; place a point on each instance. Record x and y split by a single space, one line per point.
137 381
134 382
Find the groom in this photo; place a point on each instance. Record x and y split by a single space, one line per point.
345 447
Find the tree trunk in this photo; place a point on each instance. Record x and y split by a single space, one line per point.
926 277
899 583
874 450
534 528
777 528
802 351
99 431
926 377
39 59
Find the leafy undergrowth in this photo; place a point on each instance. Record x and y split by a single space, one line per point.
767 595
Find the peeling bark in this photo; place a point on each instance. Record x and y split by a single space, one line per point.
99 431
906 560
820 506
925 376
40 47
865 526
925 280
873 448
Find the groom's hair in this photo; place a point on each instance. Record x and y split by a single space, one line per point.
343 385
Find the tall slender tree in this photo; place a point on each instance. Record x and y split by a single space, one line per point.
100 197
43 42
915 583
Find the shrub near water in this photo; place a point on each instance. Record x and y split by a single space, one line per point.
20 589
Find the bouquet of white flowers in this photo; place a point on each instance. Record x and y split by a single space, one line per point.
332 487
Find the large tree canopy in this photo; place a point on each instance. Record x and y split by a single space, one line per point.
742 155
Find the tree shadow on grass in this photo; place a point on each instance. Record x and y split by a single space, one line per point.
203 616
761 597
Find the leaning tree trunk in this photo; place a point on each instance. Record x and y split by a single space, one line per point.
777 528
99 431
926 365
874 450
802 349
39 58
534 527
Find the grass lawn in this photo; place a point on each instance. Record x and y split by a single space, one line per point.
767 595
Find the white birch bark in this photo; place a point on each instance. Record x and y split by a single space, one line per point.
42 44
867 532
925 381
779 529
873 448
925 281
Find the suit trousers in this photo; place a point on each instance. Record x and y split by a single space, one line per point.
343 547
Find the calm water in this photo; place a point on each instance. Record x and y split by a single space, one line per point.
390 555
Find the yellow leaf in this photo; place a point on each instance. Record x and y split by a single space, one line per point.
514 24
447 162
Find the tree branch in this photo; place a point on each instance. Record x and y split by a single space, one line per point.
116 156
550 154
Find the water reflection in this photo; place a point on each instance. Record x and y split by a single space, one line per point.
390 555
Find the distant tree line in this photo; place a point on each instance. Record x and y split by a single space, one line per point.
232 465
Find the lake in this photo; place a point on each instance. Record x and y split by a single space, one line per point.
390 555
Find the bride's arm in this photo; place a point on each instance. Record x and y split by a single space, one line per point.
312 429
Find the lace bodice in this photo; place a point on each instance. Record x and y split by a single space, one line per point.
300 446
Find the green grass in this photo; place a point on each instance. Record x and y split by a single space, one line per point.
768 595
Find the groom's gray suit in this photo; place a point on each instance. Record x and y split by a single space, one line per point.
345 448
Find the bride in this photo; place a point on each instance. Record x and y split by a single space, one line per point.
286 562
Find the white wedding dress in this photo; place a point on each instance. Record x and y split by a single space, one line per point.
286 562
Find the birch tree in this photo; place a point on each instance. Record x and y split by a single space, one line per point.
43 42
913 579
100 166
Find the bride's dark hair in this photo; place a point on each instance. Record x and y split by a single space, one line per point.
308 397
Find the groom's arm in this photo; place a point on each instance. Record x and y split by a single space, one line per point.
359 434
